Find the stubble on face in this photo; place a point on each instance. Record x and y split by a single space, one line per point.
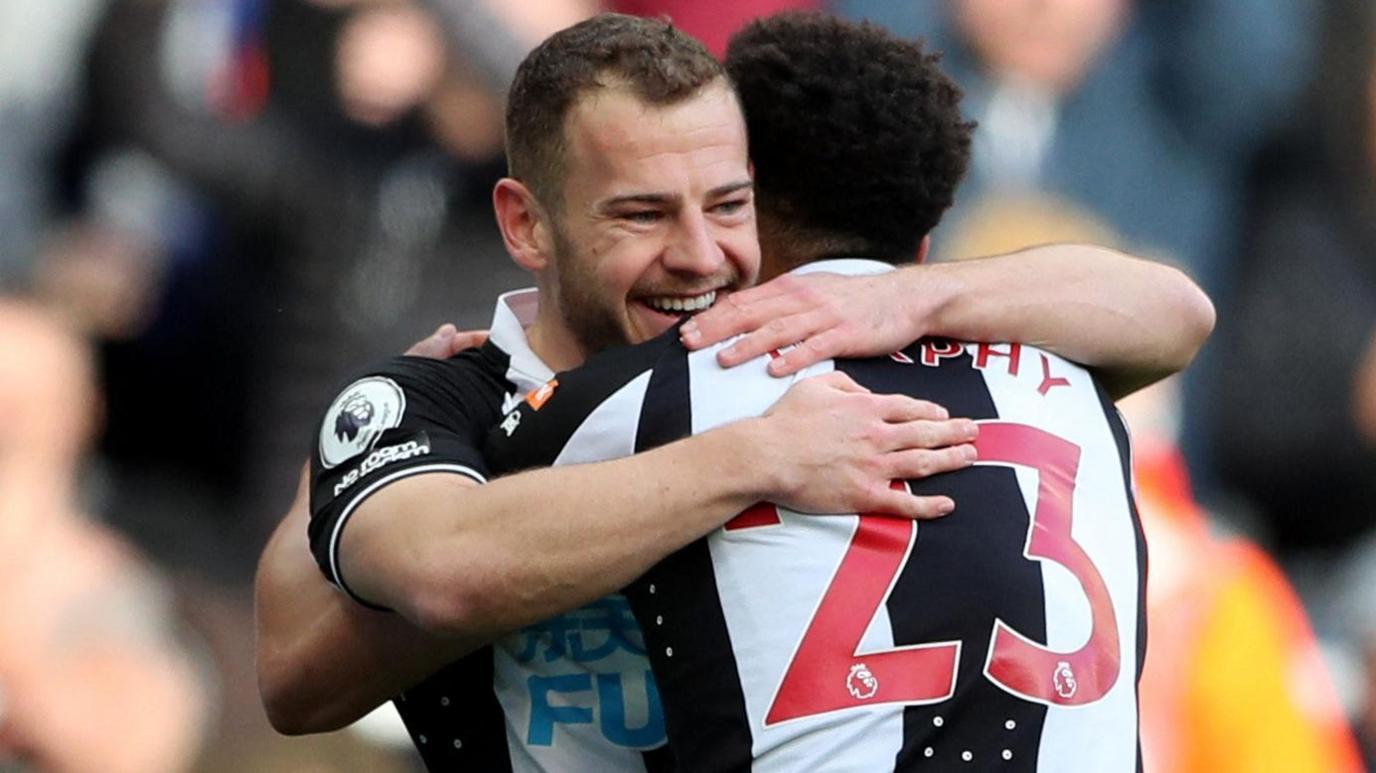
607 267
593 323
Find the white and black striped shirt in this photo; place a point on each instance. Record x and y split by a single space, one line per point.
570 694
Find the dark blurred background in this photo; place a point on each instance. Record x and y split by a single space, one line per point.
209 209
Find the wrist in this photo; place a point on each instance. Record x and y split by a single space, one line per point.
929 295
751 450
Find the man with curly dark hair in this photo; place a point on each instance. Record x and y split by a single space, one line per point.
876 162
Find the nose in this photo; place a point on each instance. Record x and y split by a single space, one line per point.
694 248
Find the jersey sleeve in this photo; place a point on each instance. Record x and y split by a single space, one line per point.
406 416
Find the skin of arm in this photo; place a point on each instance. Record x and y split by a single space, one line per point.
1133 321
324 660
484 560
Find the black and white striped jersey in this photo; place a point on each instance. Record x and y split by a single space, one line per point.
570 694
1007 636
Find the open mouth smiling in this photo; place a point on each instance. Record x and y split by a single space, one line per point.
678 305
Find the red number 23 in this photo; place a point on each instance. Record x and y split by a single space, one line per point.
829 673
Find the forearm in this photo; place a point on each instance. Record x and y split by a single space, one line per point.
323 660
486 560
1135 321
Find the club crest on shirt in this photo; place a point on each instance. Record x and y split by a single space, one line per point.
861 683
363 411
1064 680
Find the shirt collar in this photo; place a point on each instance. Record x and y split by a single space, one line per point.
515 312
851 266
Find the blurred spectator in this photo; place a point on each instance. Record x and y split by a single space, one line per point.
92 671
1234 679
1142 113
41 51
711 21
333 212
1296 431
252 207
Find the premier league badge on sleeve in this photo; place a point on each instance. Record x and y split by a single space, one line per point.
363 411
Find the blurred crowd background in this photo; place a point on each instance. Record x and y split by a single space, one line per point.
210 208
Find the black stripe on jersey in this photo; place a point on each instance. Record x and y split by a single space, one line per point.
690 651
939 588
1123 440
455 719
540 435
497 359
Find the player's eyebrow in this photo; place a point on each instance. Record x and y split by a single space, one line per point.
730 188
670 199
647 199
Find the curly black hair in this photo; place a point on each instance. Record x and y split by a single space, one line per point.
856 135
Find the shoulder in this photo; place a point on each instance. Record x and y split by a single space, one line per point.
610 387
462 395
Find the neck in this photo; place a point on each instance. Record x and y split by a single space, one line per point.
552 341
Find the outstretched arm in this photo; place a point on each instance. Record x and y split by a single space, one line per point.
1132 320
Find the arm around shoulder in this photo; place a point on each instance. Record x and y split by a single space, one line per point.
1134 321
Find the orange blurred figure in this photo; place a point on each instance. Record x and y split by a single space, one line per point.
1234 680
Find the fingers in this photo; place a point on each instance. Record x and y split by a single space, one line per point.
447 341
926 433
901 408
781 329
732 315
813 347
744 311
436 346
917 463
471 339
904 505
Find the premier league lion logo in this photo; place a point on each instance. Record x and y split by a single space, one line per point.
353 417
1064 680
358 417
860 683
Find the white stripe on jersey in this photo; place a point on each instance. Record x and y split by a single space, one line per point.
772 622
557 702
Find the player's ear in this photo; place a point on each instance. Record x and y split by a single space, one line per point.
922 247
524 224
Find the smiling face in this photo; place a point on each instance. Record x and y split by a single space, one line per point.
657 218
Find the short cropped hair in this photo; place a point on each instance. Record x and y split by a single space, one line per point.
658 63
856 134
